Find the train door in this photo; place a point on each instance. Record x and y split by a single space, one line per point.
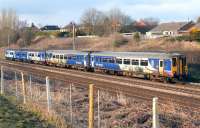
161 67
62 61
180 66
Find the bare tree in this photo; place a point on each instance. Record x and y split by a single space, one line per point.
118 19
90 19
9 24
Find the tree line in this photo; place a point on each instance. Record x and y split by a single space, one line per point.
96 22
12 29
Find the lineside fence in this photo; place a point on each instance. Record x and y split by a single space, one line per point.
72 105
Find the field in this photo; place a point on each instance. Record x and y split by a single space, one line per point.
12 116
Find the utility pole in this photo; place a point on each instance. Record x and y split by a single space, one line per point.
74 35
8 40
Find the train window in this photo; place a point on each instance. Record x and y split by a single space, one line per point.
61 57
174 62
119 61
104 60
135 62
161 63
101 59
127 61
74 57
144 62
57 56
54 56
38 55
65 57
111 61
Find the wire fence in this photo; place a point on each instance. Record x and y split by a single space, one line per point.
68 105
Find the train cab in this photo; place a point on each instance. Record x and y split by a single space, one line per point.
179 67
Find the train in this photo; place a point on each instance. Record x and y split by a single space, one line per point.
160 66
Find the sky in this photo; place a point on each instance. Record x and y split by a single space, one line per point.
61 12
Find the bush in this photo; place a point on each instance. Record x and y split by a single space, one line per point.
193 36
118 43
119 40
136 36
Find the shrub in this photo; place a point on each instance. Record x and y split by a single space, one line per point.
136 36
119 40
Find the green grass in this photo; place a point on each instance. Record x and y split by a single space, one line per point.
11 116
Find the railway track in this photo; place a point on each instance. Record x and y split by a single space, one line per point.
185 95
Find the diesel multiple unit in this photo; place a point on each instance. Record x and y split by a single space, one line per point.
149 65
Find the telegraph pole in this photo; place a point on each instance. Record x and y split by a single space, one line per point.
74 35
8 40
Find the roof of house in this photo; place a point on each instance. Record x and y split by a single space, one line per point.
197 26
50 27
171 26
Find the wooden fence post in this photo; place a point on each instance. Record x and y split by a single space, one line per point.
155 113
99 118
91 106
70 102
16 86
48 94
30 85
2 80
24 88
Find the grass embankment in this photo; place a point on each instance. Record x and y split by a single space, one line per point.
11 116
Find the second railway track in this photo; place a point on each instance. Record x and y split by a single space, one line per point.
185 95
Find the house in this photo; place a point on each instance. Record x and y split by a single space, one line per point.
33 28
171 29
196 27
50 28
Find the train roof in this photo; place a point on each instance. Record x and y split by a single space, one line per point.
67 52
162 55
27 50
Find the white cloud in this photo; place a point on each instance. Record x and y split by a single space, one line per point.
63 11
163 9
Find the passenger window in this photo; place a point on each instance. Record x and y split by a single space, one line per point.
111 60
104 60
61 57
161 64
57 56
38 55
127 61
65 57
174 62
135 62
119 61
54 56
144 63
